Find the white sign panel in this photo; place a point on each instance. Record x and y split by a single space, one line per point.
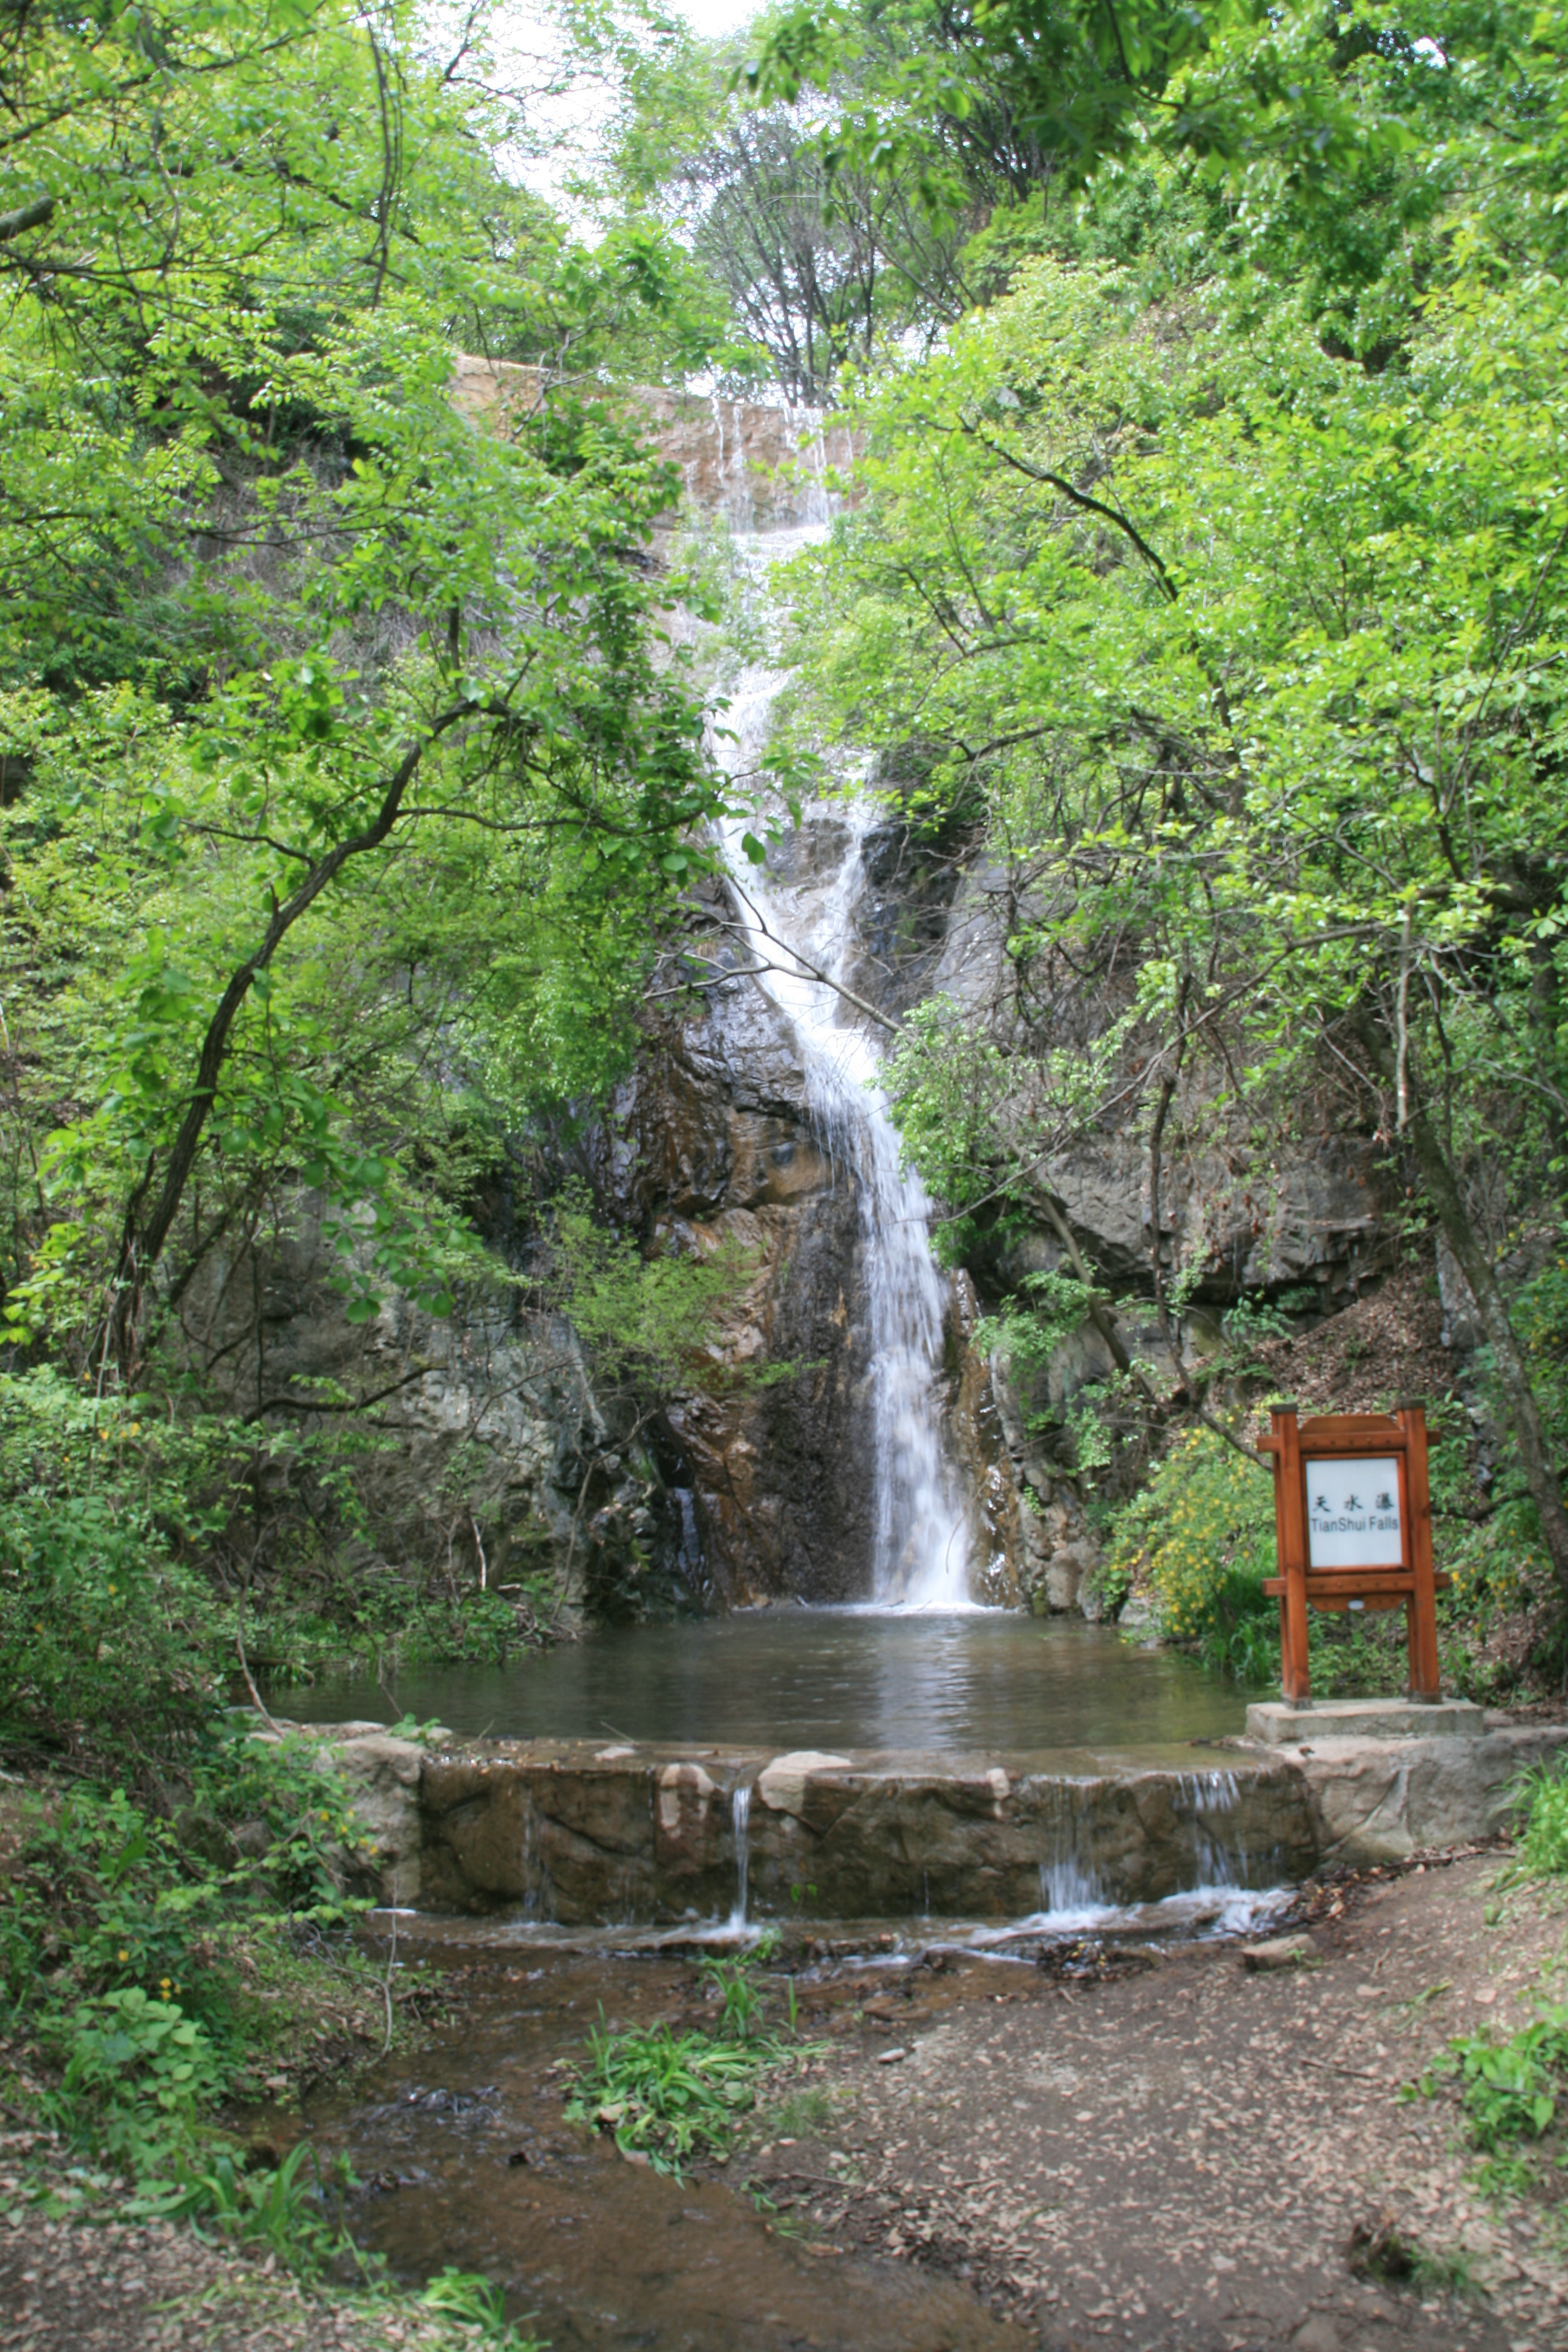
1352 1513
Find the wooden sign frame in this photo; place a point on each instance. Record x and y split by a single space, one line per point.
1413 1583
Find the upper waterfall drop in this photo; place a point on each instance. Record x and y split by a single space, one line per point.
922 1535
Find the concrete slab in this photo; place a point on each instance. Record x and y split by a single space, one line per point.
1275 1725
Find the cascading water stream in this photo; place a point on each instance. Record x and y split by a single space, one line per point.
920 1558
740 1823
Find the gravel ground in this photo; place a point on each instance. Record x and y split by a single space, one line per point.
1179 2160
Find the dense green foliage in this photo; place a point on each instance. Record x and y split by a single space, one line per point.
1201 1535
1511 2088
104 1624
349 771
154 1959
161 1957
1544 1835
1212 569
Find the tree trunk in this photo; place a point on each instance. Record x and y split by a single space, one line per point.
142 1244
1448 1198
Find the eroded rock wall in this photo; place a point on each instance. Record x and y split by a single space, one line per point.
476 1431
760 465
1304 1214
709 1141
649 1835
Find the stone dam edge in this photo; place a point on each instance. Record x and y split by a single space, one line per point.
583 1835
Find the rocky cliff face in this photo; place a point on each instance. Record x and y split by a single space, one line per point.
502 1460
710 1140
480 1455
1302 1216
759 467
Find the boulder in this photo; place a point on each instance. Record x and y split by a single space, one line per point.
1280 1952
1381 1799
383 1776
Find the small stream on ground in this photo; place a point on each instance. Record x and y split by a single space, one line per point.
465 2159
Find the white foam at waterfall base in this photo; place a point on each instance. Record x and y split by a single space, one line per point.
921 1557
1197 1911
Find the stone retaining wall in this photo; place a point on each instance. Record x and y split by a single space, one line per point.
1382 1799
647 1835
651 1836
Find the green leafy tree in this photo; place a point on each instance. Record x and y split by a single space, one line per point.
1249 652
351 768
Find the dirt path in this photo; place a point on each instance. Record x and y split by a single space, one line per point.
1176 2161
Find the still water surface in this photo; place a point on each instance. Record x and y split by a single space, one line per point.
820 1678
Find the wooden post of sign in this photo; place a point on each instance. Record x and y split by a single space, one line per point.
1421 1605
1290 1541
1363 1558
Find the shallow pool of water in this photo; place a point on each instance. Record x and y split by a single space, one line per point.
991 1679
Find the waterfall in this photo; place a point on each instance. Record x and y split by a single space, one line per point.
740 1822
920 1558
1220 1857
1070 1883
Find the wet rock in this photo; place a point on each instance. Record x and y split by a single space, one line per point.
490 1406
710 1144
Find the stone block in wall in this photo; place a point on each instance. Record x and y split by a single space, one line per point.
383 1778
1381 1799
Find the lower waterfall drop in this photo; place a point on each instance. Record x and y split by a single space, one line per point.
740 1822
920 1558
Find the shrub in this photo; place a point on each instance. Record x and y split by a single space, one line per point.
1508 2090
106 1629
147 2068
1201 1537
157 1961
1543 1831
